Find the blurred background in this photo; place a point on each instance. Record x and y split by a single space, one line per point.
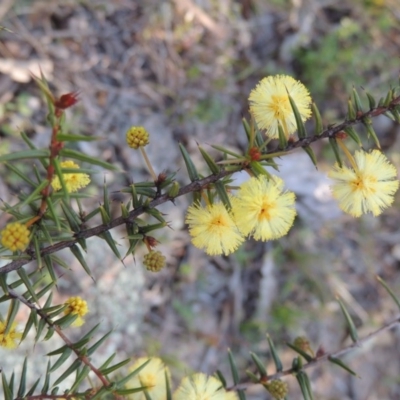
184 69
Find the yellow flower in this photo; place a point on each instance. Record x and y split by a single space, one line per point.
76 305
152 376
137 136
73 181
15 236
261 208
9 340
154 261
270 105
212 229
369 185
202 387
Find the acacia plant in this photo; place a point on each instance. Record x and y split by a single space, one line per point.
50 217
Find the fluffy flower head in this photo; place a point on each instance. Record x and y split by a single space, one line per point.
262 209
152 376
212 229
76 305
270 105
202 387
73 181
9 340
15 236
369 186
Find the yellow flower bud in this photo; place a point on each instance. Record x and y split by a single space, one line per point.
137 136
154 261
76 305
277 389
15 236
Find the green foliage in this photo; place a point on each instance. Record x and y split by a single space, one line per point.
56 220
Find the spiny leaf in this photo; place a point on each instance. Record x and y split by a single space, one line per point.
371 101
192 171
61 360
353 134
259 364
64 137
38 253
109 370
305 389
351 113
22 382
221 377
33 388
301 129
127 378
388 98
92 349
32 320
46 382
349 320
311 154
214 168
111 243
300 351
77 253
20 174
393 296
318 120
69 153
80 377
73 367
282 137
107 362
357 100
336 361
8 392
274 353
12 313
371 132
223 194
24 155
335 148
167 386
234 370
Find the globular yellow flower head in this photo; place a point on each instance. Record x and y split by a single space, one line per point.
73 181
154 261
202 387
76 305
277 389
9 340
212 229
137 136
369 186
15 236
152 376
262 209
270 105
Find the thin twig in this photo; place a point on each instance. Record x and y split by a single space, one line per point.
322 358
83 358
330 132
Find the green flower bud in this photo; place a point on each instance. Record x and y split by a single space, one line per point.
277 389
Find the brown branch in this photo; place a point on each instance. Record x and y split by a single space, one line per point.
330 132
320 359
83 358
